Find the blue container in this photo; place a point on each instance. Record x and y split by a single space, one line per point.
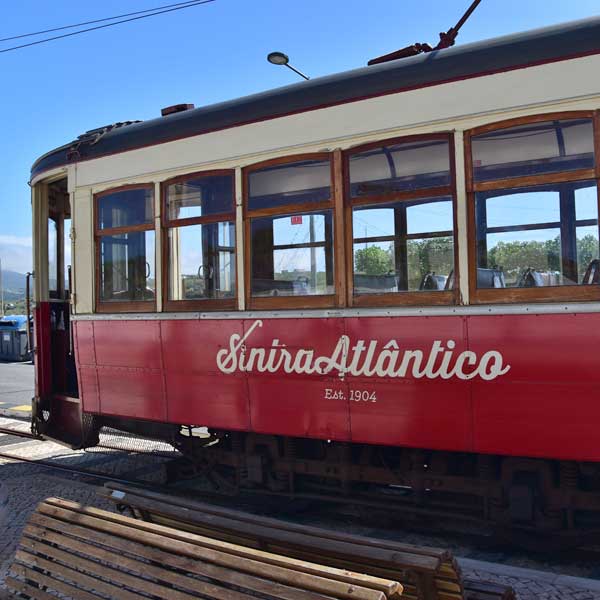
13 338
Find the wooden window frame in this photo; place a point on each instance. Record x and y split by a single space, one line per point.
198 305
401 298
333 203
126 306
564 293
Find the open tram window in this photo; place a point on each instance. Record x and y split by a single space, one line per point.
289 205
125 249
401 194
199 213
534 210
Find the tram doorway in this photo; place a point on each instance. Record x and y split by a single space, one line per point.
56 381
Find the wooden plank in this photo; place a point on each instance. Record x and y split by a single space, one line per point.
55 584
243 530
169 560
22 587
118 561
191 507
306 567
261 564
75 575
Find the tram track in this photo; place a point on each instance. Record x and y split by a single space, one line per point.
321 507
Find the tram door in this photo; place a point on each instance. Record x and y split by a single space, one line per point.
54 354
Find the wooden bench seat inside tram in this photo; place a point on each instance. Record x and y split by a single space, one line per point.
425 573
72 551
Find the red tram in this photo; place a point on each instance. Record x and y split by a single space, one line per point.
381 284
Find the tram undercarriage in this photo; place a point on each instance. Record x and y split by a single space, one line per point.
504 495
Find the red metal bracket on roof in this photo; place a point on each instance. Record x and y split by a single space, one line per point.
447 39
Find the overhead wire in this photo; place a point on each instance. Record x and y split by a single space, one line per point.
179 6
139 12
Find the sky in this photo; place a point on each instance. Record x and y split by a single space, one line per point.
54 92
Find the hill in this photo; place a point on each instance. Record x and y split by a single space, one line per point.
14 285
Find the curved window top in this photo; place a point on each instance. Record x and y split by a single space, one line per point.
302 182
400 167
125 208
200 196
533 149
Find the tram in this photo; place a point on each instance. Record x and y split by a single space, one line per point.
380 284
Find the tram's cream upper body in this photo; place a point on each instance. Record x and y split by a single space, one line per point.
566 85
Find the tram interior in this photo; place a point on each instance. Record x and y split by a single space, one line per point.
62 359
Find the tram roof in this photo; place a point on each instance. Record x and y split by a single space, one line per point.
558 42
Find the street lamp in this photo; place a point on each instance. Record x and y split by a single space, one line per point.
281 59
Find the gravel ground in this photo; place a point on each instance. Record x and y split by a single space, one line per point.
28 484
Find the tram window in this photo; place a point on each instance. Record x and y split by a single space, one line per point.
200 196
289 208
534 191
202 261
53 258
127 267
403 246
200 240
402 198
533 149
67 252
292 255
125 208
125 249
302 182
541 236
399 167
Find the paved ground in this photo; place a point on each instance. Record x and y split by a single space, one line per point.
16 386
29 484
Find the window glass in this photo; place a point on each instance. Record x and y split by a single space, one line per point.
400 168
127 268
67 250
202 261
292 255
520 242
586 203
403 246
533 149
125 208
429 216
587 249
52 256
523 208
200 197
301 182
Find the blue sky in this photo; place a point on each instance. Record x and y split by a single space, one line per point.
55 91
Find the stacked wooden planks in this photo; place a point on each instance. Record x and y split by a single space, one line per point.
72 551
425 573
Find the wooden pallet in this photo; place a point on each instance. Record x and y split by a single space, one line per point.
72 551
425 573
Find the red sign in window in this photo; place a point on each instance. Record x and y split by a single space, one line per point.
297 220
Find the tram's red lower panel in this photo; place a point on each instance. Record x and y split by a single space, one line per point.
524 385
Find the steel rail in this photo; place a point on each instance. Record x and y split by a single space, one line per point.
75 471
16 432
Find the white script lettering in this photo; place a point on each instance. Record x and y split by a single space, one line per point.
363 358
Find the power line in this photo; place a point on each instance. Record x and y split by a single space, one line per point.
144 16
139 12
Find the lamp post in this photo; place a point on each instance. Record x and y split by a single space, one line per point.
281 59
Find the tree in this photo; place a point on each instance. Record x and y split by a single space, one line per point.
373 260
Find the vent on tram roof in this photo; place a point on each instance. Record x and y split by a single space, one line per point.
169 110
